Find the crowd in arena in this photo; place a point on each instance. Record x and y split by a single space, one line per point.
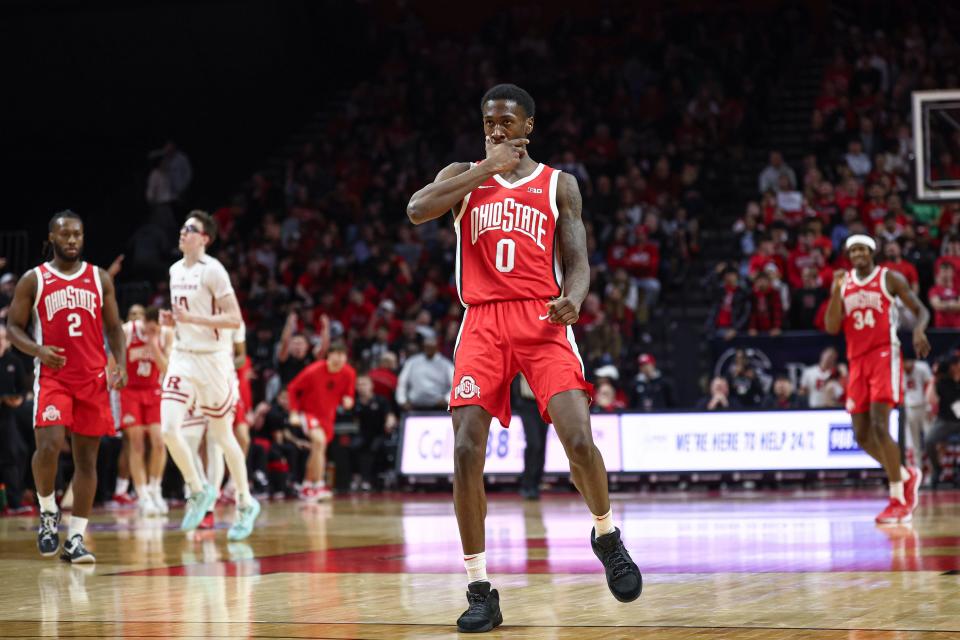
323 253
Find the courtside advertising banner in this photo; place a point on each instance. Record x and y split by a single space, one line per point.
661 443
743 441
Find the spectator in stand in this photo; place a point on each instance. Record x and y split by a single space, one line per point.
605 399
745 385
179 170
922 254
294 354
14 452
8 282
523 403
651 392
766 312
375 421
731 311
945 298
824 384
384 376
842 231
892 251
857 160
425 380
945 394
718 399
608 374
917 376
769 178
781 396
807 300
766 255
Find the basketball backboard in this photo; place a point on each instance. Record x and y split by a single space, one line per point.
936 134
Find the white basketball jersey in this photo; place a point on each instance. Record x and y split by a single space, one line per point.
237 336
199 287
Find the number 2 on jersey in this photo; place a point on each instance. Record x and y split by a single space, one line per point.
506 249
73 329
863 319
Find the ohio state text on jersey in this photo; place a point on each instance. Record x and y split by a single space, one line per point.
68 313
507 242
869 314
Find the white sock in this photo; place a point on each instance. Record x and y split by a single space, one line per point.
896 491
77 526
122 485
48 503
603 524
476 566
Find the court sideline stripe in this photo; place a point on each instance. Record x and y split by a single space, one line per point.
443 626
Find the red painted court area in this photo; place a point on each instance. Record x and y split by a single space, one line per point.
762 533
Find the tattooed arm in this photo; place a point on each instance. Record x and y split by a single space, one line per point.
573 251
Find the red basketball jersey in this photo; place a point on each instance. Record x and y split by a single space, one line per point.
507 242
68 313
869 314
142 371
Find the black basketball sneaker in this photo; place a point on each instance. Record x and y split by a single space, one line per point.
483 614
623 575
48 537
75 553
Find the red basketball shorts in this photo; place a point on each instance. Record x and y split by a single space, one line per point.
139 407
310 422
876 376
82 407
497 340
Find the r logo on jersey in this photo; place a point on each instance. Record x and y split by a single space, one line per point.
467 388
51 413
173 383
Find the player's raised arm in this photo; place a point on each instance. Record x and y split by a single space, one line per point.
833 320
573 250
899 287
455 181
113 327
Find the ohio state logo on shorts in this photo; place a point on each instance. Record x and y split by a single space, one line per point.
467 388
51 413
129 419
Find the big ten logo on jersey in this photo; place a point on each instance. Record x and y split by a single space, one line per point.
70 298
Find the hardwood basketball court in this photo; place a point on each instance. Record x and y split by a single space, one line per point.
744 565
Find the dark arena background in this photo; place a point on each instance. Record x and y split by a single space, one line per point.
724 152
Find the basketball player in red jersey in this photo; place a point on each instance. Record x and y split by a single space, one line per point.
148 350
72 302
862 303
522 274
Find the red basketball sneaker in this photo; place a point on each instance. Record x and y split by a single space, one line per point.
207 522
896 512
911 487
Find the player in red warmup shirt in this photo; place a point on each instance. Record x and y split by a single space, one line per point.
522 274
862 303
71 302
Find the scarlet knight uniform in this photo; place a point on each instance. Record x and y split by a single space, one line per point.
508 268
873 349
140 399
200 369
68 313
